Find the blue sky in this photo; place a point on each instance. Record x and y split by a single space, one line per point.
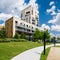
49 12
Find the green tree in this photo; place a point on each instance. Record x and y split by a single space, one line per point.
22 36
36 35
47 34
16 35
2 33
41 35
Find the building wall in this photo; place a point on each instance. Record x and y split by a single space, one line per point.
9 27
21 26
14 25
30 17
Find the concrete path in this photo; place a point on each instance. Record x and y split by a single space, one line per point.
54 54
32 54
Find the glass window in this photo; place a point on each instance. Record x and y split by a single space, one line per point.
20 23
32 27
29 19
21 15
32 12
24 24
16 22
27 25
28 12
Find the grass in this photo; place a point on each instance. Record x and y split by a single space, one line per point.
11 49
44 57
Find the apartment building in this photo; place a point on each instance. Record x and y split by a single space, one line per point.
27 24
30 15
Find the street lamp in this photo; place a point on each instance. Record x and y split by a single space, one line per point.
54 40
44 40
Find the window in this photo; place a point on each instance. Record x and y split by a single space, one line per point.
27 25
28 12
33 20
32 27
29 19
32 12
20 23
24 25
26 19
33 23
16 22
21 15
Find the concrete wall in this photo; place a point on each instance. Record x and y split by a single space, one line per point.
9 27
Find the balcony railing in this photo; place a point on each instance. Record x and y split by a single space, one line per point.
22 30
30 28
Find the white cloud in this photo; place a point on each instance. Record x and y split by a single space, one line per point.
55 23
52 35
58 10
7 6
57 35
33 3
56 20
10 8
2 24
55 27
5 16
51 3
45 26
53 13
51 10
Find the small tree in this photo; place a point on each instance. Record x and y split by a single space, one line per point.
36 35
47 34
2 33
16 35
22 36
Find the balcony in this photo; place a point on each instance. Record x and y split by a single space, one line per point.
22 26
22 30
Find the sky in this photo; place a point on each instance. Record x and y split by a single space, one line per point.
49 12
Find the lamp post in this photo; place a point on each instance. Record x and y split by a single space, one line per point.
54 41
44 40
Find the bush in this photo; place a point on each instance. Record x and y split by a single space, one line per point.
13 40
22 36
4 40
16 36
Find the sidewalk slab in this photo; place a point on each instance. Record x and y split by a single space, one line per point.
54 54
32 54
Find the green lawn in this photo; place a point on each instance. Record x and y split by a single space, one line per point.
11 49
44 57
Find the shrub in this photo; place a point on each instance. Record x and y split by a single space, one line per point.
12 40
22 36
16 36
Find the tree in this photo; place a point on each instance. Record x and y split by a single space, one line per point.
41 35
47 34
22 36
16 35
36 35
2 33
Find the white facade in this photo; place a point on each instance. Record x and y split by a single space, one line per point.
22 26
26 27
30 15
27 24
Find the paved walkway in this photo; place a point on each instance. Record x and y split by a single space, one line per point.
54 54
32 54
